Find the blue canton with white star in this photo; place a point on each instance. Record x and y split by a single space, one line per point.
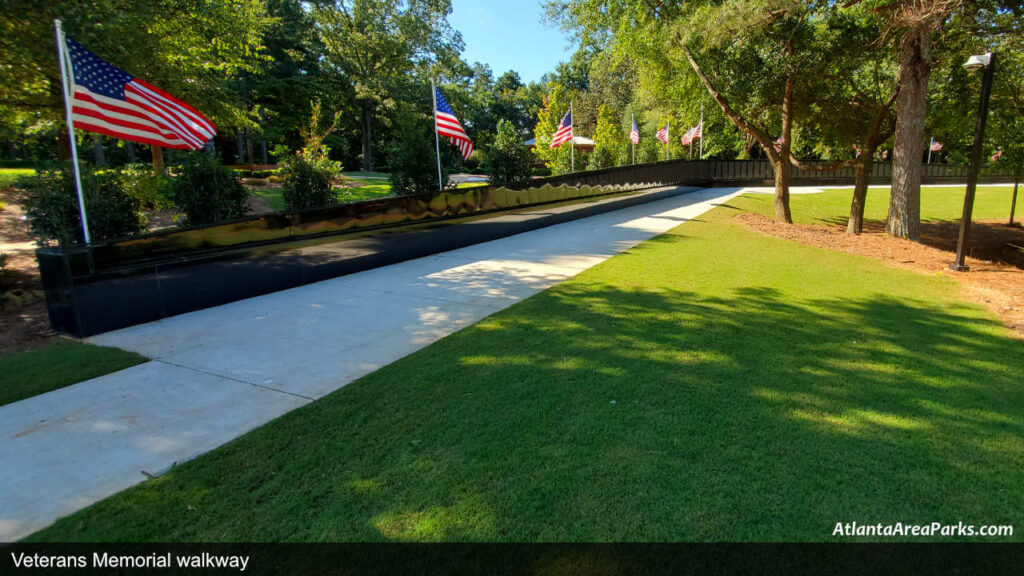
442 104
95 74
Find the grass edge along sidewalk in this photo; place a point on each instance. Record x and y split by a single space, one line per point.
709 384
61 363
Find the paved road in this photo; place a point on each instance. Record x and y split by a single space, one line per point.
218 373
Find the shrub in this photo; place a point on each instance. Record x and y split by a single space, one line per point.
51 205
207 191
307 179
412 156
152 190
508 161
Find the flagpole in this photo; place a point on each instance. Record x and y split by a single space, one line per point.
632 123
572 139
701 125
437 139
931 142
668 137
62 56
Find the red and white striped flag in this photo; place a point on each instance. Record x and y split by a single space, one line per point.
936 146
110 101
564 132
450 127
778 144
997 155
634 134
698 130
687 138
663 134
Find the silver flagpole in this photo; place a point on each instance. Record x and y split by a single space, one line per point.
65 71
632 123
931 142
572 138
701 155
668 138
437 139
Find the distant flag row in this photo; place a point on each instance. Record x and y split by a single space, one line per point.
662 134
692 134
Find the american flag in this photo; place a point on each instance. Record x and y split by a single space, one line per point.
111 101
564 132
936 146
698 131
663 134
634 134
778 144
449 127
687 138
997 155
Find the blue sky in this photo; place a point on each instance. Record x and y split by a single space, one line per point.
509 35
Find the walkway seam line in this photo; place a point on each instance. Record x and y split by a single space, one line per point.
240 381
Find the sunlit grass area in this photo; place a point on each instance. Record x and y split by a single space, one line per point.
710 384
371 189
937 203
10 176
57 365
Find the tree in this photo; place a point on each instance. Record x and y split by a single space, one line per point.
608 140
189 51
556 104
761 51
508 161
376 44
915 21
412 156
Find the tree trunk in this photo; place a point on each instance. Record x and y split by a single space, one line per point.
782 211
1013 203
158 159
860 190
367 140
63 143
130 149
240 141
904 219
263 153
99 156
250 152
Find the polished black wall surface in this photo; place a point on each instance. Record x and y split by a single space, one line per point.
84 298
116 283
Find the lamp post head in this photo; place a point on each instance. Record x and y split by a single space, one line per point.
978 61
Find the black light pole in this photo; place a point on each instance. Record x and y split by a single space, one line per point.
988 62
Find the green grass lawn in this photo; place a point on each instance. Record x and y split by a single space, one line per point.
710 384
937 203
57 365
9 176
371 189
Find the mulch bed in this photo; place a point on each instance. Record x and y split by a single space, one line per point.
996 276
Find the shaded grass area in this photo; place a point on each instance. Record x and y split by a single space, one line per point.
57 365
938 203
710 384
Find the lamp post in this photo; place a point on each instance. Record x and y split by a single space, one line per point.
977 62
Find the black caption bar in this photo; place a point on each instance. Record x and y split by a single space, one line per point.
512 559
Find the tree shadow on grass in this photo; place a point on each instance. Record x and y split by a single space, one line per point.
593 413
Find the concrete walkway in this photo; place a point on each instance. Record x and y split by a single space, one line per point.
218 373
